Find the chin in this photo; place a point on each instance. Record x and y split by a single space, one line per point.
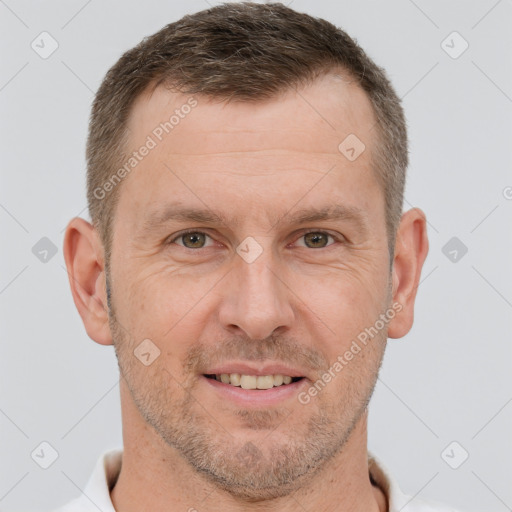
264 485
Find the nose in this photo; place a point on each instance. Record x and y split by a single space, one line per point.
256 298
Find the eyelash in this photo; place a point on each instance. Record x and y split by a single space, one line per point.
195 231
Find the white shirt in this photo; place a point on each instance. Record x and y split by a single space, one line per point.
96 495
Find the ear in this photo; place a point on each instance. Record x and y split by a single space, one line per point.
83 253
411 249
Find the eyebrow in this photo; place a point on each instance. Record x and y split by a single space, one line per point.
334 212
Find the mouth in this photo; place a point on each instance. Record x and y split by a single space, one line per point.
253 382
248 385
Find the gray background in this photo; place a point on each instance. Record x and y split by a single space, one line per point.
448 380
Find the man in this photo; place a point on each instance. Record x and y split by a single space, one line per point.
248 259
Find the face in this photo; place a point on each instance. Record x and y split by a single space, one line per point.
248 245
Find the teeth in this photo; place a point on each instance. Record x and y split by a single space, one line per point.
253 381
278 380
265 382
248 381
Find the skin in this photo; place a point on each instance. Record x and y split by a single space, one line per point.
185 442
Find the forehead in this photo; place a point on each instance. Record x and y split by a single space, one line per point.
320 115
249 156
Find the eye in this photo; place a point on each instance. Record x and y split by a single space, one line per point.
191 239
197 239
316 239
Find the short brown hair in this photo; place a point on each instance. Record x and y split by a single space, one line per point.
245 52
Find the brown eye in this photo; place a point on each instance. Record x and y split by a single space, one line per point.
317 239
192 240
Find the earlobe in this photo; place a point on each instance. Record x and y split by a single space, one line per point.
83 255
411 249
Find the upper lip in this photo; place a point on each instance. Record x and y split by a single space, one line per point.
258 370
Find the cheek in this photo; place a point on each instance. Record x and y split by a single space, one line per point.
345 300
158 309
162 297
348 310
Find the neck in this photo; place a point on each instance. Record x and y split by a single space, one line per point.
155 477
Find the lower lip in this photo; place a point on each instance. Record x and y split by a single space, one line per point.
256 397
